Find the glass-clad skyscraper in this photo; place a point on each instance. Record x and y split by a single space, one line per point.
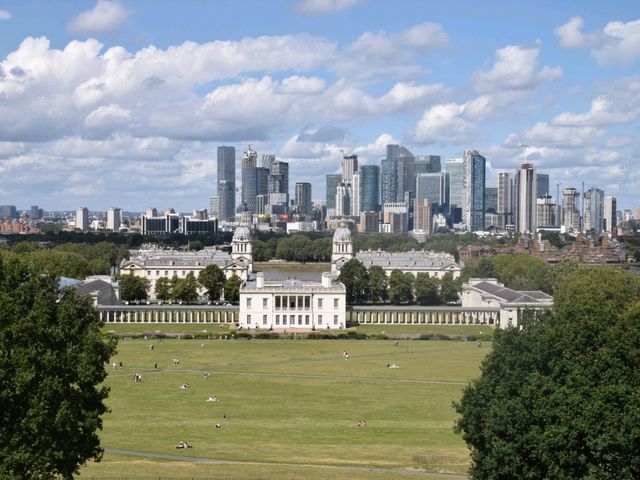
369 193
226 163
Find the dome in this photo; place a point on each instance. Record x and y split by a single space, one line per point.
242 234
342 234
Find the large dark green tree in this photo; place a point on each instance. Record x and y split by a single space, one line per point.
355 278
401 287
133 288
558 397
378 284
232 288
448 289
163 288
52 365
212 279
426 289
186 289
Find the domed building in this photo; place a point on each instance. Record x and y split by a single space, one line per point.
342 250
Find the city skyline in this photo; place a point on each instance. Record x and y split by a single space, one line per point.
103 105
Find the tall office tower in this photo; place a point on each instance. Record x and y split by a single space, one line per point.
397 174
491 199
505 199
433 186
214 207
636 213
570 212
542 185
545 211
333 180
422 214
594 210
114 219
627 215
369 192
525 198
250 180
455 169
396 216
349 167
356 194
610 217
266 160
343 200
8 211
151 212
226 183
427 164
35 212
303 198
473 190
82 219
279 177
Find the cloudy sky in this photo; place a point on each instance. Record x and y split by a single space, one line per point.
123 103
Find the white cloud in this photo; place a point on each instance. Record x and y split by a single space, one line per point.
4 15
515 68
617 44
325 7
602 112
444 123
105 16
297 85
544 134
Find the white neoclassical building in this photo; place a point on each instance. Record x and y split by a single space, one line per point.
293 304
435 264
153 263
489 293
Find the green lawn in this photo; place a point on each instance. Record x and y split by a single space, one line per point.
292 408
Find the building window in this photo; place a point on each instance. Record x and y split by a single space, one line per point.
335 319
158 272
285 300
277 301
307 302
319 303
300 301
264 303
306 319
335 303
319 319
292 319
292 302
248 302
284 319
248 319
166 273
148 272
264 319
277 319
299 319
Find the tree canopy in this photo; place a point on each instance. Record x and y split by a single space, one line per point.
212 280
232 288
52 365
133 288
558 398
355 278
400 287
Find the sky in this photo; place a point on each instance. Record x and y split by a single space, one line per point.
123 103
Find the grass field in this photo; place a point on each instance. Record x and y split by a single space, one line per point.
292 409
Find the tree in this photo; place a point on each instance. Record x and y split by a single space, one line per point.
163 288
52 368
523 272
378 284
400 287
426 289
355 278
232 289
557 398
480 267
133 288
186 289
212 279
448 289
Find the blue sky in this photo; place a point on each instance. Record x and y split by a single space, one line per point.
122 103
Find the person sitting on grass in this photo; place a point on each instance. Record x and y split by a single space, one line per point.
184 386
212 399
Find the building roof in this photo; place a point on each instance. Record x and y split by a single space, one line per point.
292 284
156 258
507 295
90 286
342 234
413 260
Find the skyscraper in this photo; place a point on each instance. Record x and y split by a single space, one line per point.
427 164
610 218
433 186
114 219
279 177
343 199
303 198
333 180
455 169
525 198
545 211
570 213
349 167
594 210
356 194
369 193
422 214
226 182
491 199
82 219
542 185
505 199
255 180
473 190
397 174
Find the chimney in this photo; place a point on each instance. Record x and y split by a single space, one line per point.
326 279
259 280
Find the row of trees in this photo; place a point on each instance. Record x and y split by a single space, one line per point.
373 286
211 278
